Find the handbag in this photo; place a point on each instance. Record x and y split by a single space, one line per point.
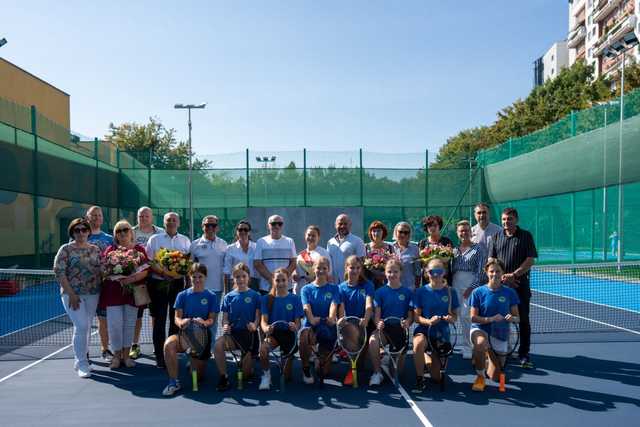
141 295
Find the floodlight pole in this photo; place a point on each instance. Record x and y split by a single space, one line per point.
189 107
620 187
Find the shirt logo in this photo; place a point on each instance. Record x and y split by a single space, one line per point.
363 292
401 297
328 295
445 298
502 299
289 307
204 301
247 300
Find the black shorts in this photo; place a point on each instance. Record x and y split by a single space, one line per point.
206 352
249 341
286 340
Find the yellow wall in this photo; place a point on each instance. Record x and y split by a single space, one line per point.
23 88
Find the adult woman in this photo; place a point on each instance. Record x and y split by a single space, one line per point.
306 259
490 303
278 306
77 269
434 303
241 250
432 226
201 307
356 299
117 300
407 252
468 273
377 232
320 301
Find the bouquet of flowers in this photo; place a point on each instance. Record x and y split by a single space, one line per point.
376 261
123 262
176 262
444 253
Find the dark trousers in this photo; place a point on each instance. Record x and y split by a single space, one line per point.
525 326
163 296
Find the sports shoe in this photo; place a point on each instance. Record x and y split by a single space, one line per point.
223 383
526 363
160 364
128 362
466 353
171 388
335 358
478 384
420 385
115 363
107 355
84 372
348 379
134 353
306 375
265 381
376 379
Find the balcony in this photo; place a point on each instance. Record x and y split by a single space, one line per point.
576 36
620 29
604 9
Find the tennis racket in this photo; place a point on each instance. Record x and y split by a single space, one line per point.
352 337
504 337
326 342
441 341
287 345
196 338
394 339
243 340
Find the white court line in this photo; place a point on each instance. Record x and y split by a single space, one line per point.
630 310
33 326
421 416
31 365
587 319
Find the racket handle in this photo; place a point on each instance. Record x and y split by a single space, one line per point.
501 386
194 379
354 373
240 379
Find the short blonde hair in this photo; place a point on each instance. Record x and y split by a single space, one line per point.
120 224
462 223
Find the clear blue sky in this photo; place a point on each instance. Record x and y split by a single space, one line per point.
387 76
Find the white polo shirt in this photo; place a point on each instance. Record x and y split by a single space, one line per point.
340 250
156 242
274 253
478 235
235 254
211 254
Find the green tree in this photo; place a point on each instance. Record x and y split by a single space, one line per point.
139 140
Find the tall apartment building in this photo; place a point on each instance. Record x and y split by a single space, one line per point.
549 65
595 25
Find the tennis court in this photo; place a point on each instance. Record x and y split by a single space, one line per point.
586 326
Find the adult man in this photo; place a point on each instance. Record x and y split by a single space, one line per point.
274 251
343 245
142 231
484 230
209 250
163 287
101 240
515 247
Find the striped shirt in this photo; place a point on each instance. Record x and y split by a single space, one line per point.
471 260
513 251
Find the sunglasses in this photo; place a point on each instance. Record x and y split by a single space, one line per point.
404 232
276 224
436 272
210 225
244 230
80 230
123 230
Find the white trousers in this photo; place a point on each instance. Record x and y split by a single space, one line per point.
82 319
121 322
461 281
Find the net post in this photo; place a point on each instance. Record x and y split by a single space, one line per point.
36 189
361 180
247 174
304 177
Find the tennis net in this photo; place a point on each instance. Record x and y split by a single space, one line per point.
601 300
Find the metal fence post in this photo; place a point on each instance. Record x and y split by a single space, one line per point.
247 176
36 189
361 181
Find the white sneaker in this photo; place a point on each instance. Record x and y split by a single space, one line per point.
335 358
171 389
466 353
87 366
307 379
265 382
376 379
84 372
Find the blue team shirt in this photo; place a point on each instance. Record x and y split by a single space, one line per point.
241 307
320 299
287 308
196 304
490 302
435 302
101 240
354 298
393 302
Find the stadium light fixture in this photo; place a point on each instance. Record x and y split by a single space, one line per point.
190 107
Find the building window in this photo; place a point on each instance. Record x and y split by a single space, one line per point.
552 71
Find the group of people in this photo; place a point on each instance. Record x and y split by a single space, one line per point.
256 284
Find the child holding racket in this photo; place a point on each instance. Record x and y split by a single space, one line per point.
356 300
278 306
240 316
435 304
194 305
320 301
390 301
490 304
